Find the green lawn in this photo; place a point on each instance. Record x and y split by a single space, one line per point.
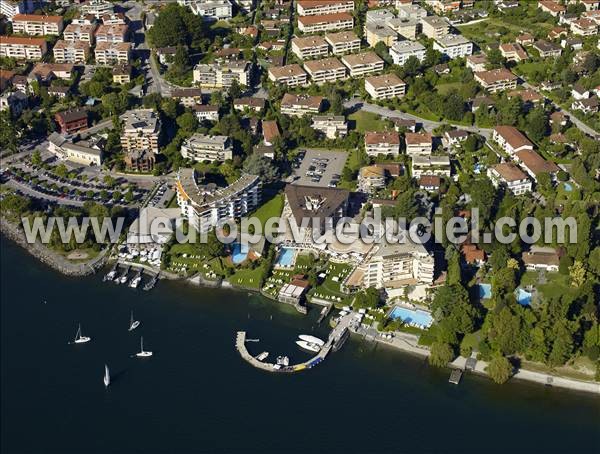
445 88
329 287
247 277
556 284
367 121
271 209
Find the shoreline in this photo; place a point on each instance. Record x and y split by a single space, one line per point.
403 342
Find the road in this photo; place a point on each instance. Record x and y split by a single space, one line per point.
388 113
576 121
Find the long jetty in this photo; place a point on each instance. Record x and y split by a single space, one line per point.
337 336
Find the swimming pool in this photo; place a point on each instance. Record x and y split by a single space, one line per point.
239 252
524 297
568 187
286 257
485 291
419 317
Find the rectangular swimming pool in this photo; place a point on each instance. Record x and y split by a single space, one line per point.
420 317
485 291
286 257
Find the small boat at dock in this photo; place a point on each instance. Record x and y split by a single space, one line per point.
151 283
308 346
262 356
311 339
283 361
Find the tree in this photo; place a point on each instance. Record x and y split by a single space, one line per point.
36 158
499 369
213 247
175 26
61 170
261 166
578 274
454 269
537 124
188 122
594 261
368 298
441 354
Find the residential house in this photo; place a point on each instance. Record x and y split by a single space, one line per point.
547 49
384 143
535 165
202 147
371 179
249 103
189 97
270 131
513 52
509 176
291 75
430 165
121 74
551 7
332 126
418 144
540 258
511 140
477 62
453 46
401 51
587 106
299 105
205 112
431 183
72 121
496 80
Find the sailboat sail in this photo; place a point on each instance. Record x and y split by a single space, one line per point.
106 376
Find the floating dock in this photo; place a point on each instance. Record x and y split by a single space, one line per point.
455 376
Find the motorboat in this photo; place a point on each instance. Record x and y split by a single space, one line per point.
262 356
311 339
283 361
309 346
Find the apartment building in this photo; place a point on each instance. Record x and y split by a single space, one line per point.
371 179
406 27
141 128
205 112
511 140
325 22
202 147
385 86
332 126
290 75
453 46
342 43
325 70
205 205
71 121
310 47
535 165
445 6
496 80
71 51
10 8
213 10
584 27
319 203
513 52
378 16
435 27
189 97
318 7
97 8
37 24
410 10
115 33
510 176
395 265
403 50
80 32
108 53
362 64
477 63
223 73
299 105
385 143
418 144
377 32
430 165
23 48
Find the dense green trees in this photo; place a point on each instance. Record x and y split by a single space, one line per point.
176 26
499 369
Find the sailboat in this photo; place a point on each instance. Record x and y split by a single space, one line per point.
133 324
142 353
79 339
106 376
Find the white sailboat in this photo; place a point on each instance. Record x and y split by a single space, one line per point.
133 324
142 353
79 339
106 376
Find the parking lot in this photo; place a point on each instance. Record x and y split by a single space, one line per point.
319 168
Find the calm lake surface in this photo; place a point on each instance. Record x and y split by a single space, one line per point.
196 394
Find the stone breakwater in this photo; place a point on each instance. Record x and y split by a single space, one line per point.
48 256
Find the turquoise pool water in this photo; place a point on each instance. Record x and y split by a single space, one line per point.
568 187
411 315
239 253
285 257
485 291
524 297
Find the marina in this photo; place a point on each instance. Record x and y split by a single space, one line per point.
121 274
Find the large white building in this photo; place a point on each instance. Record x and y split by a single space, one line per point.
22 48
201 147
430 165
109 53
97 8
510 176
317 7
363 64
213 10
80 32
385 86
37 24
343 42
71 51
141 128
222 74
310 47
435 27
291 75
325 70
454 46
403 50
206 205
81 152
511 140
387 142
325 22
332 126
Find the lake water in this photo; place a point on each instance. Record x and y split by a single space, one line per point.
197 395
